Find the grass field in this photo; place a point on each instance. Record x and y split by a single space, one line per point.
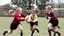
6 21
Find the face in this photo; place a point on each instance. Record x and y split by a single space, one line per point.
47 10
33 13
19 10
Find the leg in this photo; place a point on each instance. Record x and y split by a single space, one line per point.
49 31
52 30
55 31
32 30
12 27
21 29
54 34
36 28
9 32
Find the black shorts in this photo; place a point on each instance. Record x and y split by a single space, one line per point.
54 22
13 26
34 23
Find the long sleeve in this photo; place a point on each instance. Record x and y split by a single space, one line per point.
53 15
19 18
23 15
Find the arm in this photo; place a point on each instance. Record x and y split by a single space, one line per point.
49 17
53 14
23 15
19 19
46 15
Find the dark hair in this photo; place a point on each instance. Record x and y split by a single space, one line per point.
33 11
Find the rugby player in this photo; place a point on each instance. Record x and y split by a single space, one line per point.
53 21
33 22
18 17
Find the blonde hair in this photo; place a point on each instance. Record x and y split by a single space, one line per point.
18 8
49 7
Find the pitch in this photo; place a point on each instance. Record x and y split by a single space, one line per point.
6 21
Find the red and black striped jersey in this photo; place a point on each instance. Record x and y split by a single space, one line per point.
52 15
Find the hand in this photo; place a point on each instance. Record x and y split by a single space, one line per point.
46 17
49 17
27 22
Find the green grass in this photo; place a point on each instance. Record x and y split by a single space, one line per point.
6 21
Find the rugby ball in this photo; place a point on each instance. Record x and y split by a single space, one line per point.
28 19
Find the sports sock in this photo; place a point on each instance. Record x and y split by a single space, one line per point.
21 33
58 33
32 33
58 27
49 31
54 34
37 30
5 32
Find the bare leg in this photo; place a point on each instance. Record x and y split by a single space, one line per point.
55 31
49 31
21 29
9 32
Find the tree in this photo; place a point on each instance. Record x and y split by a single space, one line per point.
41 4
6 6
28 3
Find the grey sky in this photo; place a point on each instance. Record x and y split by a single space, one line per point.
60 1
3 2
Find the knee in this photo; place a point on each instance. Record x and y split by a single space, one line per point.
21 30
49 26
9 32
54 31
32 29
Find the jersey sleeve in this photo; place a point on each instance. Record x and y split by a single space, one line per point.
18 18
53 14
23 15
46 15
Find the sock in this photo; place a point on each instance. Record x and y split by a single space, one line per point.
37 30
5 32
58 33
32 33
21 33
58 27
49 31
54 34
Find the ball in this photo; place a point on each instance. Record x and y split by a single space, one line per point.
28 19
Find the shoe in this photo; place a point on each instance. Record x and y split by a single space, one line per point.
5 33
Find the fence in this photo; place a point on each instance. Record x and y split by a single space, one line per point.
42 14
